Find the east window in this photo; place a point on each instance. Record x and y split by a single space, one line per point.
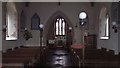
60 26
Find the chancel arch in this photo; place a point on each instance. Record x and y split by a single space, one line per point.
53 32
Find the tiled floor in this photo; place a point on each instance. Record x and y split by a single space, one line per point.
59 58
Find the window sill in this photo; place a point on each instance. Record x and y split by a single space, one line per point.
11 38
106 37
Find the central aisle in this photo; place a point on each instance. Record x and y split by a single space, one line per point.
58 58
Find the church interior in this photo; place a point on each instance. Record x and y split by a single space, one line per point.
60 34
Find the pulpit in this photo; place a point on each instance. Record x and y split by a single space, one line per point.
90 41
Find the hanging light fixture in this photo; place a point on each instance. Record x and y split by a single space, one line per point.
59 2
41 34
82 17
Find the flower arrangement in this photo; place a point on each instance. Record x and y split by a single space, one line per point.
27 35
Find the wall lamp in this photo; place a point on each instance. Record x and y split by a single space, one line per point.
70 29
4 28
41 27
115 26
82 18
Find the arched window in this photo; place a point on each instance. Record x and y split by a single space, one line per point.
104 24
11 22
60 26
35 22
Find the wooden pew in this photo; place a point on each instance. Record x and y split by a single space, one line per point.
96 57
21 57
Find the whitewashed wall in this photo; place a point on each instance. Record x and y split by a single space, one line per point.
46 10
0 26
0 34
119 39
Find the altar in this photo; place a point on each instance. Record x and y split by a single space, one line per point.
60 41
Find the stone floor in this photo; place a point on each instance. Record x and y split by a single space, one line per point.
58 58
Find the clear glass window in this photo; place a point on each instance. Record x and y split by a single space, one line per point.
11 22
104 24
60 26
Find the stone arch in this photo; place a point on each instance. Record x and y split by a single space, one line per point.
52 19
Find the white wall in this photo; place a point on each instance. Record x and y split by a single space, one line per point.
46 10
0 26
20 41
119 39
0 34
112 43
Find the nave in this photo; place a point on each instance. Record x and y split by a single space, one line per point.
28 30
36 57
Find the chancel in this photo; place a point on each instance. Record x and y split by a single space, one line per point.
60 34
